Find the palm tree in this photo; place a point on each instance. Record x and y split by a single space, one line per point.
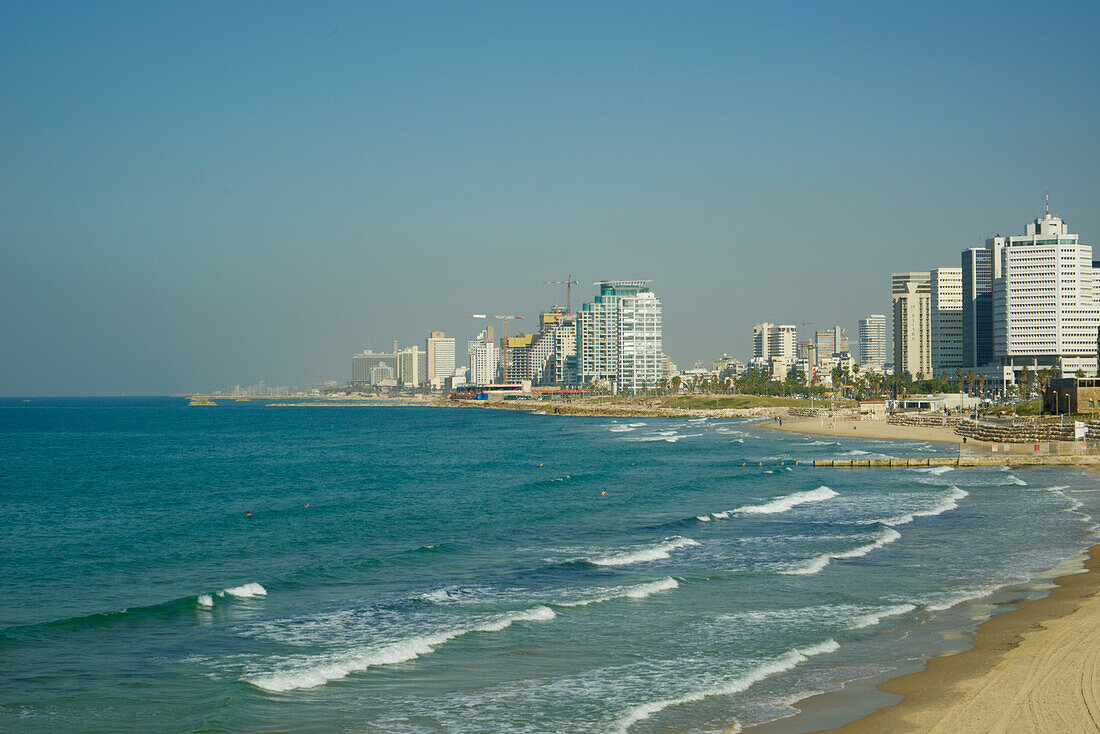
981 384
959 379
676 383
970 378
1042 381
1025 381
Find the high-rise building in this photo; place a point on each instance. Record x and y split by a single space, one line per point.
872 341
619 335
412 366
543 358
945 287
912 302
484 358
824 344
1046 310
441 359
774 340
980 267
372 368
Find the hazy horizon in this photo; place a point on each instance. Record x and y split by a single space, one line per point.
207 195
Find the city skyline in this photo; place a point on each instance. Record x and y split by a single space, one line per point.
203 196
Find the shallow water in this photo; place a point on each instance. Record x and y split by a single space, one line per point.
426 570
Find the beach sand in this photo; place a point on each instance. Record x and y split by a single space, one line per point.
1035 668
849 428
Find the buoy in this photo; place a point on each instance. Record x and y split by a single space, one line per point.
540 466
248 514
307 504
761 463
781 463
796 462
742 463
603 493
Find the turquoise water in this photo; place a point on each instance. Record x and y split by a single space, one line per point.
428 570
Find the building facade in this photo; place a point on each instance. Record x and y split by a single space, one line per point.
910 293
945 291
441 359
373 368
980 267
872 341
619 336
1046 311
484 356
774 340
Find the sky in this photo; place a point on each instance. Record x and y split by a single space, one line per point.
198 195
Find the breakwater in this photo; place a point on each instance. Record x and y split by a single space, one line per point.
957 461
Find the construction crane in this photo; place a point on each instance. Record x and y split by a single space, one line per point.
568 283
505 319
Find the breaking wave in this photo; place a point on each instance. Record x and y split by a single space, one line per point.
782 504
320 671
781 664
640 555
817 563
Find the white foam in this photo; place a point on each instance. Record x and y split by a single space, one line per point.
246 591
817 563
872 618
703 518
949 601
322 671
205 600
720 515
936 470
620 429
638 591
950 502
636 425
651 553
782 504
1013 479
781 664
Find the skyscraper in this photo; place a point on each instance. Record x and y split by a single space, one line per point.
872 341
1046 309
911 297
619 335
441 359
484 356
946 308
980 267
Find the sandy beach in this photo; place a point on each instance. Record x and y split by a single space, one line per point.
849 428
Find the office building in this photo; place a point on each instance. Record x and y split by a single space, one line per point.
1046 311
872 341
374 368
980 267
619 336
945 292
441 359
412 364
910 293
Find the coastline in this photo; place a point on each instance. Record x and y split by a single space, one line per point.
1029 669
880 429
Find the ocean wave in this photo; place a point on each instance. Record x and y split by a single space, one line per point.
947 600
637 591
245 591
781 664
936 470
323 670
782 504
651 553
620 429
872 618
816 564
1013 479
823 443
950 502
703 518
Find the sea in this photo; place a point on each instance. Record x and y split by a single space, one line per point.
252 568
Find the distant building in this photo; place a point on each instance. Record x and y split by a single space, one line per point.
371 368
912 302
1046 310
872 341
619 336
772 340
484 358
441 359
945 286
548 357
830 342
413 368
980 267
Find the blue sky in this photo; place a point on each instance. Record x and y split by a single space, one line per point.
197 195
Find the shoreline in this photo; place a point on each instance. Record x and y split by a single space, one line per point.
1028 669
